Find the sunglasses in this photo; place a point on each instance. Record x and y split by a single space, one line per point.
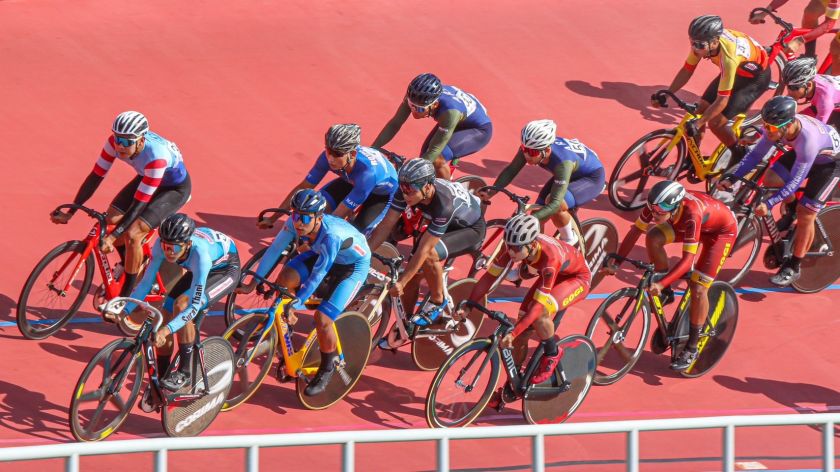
408 189
658 210
334 153
304 218
173 248
700 44
125 142
775 128
418 108
532 152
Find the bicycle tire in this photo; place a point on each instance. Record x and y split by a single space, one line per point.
105 355
248 301
749 239
578 363
600 238
25 327
242 335
780 64
637 199
723 317
818 272
490 247
471 182
603 319
477 347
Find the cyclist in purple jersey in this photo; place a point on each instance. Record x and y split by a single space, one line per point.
815 146
463 127
821 91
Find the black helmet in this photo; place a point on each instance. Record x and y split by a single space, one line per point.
799 72
779 110
343 138
417 172
176 229
666 194
705 28
308 200
424 89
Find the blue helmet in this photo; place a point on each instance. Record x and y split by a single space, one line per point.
308 200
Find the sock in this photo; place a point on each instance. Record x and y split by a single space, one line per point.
121 252
327 360
693 337
550 347
811 49
794 263
567 234
163 362
185 354
128 284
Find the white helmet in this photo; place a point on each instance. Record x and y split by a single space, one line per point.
131 123
539 134
522 229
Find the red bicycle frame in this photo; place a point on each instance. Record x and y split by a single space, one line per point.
788 34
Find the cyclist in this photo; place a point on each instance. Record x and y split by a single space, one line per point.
821 91
333 255
744 76
161 187
563 280
456 227
577 174
212 272
810 17
693 218
463 127
366 180
815 146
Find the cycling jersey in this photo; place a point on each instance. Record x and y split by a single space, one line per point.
816 144
826 96
372 174
473 112
738 55
210 250
451 208
337 242
159 163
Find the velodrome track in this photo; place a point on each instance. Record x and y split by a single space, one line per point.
247 90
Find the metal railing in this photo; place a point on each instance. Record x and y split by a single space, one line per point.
348 439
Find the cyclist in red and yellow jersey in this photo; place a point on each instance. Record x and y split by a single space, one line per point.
563 280
691 218
810 19
744 76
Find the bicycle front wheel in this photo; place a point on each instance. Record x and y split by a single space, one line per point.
599 239
818 272
45 305
618 330
649 160
252 359
238 305
463 385
744 252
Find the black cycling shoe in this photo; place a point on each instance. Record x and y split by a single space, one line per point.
319 382
684 360
786 276
174 381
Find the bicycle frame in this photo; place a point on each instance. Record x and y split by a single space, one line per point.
703 166
788 34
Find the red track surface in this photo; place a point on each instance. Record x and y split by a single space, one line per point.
247 89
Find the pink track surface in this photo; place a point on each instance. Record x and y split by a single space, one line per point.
247 90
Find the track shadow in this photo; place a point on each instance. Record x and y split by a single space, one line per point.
487 168
386 404
82 354
7 308
30 413
651 367
635 97
240 228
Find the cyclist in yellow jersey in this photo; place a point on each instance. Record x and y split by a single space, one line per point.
744 76
810 19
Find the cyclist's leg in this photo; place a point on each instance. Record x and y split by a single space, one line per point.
297 270
335 191
462 143
834 50
581 190
745 92
565 293
176 301
810 19
373 210
119 206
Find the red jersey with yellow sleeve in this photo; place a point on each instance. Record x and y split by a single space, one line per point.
738 54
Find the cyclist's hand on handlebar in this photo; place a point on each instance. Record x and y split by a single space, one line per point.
761 209
758 17
507 341
107 244
657 101
247 288
459 314
161 335
267 223
609 269
291 316
486 195
396 290
724 184
655 289
691 128
60 218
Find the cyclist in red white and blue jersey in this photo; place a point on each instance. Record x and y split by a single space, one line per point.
463 127
814 155
162 186
366 180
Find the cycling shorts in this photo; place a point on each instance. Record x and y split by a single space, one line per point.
166 200
369 214
463 141
582 189
345 280
220 283
821 184
745 92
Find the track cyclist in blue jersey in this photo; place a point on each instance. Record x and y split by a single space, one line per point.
577 174
366 180
463 127
814 155
212 265
332 254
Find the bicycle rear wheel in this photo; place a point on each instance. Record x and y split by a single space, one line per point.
243 336
42 308
818 272
718 331
117 372
600 238
471 182
618 330
542 404
238 305
642 165
462 385
491 247
744 252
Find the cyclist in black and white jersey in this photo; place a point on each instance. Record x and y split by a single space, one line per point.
456 227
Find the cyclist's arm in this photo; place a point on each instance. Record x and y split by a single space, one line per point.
562 174
145 285
685 73
823 103
512 170
88 188
447 121
753 157
275 250
383 229
326 256
152 176
798 173
362 188
543 300
200 269
427 242
691 243
393 126
97 175
493 271
832 13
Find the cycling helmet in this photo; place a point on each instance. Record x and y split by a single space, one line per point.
424 89
176 229
666 195
308 200
800 71
417 172
705 28
779 110
343 138
539 134
131 123
521 230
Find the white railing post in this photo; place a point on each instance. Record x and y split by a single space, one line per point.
347 456
443 455
71 463
828 446
252 459
538 452
633 450
729 448
160 460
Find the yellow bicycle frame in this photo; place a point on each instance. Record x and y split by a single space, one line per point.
703 166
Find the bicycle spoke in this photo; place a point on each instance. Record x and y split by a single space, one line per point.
117 400
623 352
94 420
602 353
95 395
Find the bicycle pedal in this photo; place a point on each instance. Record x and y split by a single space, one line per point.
565 386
